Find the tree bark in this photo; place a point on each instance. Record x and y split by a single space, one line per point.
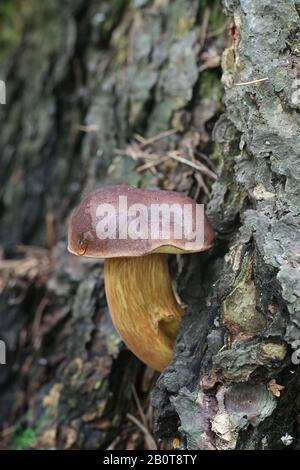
235 346
82 79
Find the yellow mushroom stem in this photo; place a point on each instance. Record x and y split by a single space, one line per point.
143 306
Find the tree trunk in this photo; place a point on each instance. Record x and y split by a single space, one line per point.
234 349
83 78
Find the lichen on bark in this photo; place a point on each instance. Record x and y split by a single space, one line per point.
257 282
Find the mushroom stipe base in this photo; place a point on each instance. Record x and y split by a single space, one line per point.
143 306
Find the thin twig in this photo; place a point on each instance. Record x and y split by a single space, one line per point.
136 151
200 184
150 414
206 159
217 32
158 159
204 27
35 330
252 81
139 406
197 166
155 138
210 63
113 444
150 442
149 165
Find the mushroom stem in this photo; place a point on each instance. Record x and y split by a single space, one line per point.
143 306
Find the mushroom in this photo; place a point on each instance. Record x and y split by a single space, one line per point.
133 231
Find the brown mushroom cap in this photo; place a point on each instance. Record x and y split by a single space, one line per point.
83 239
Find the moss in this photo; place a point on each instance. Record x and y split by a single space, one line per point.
216 20
274 351
184 24
23 438
240 315
216 16
11 20
121 52
210 86
122 170
111 12
181 17
161 116
98 384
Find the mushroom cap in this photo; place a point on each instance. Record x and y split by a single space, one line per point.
99 225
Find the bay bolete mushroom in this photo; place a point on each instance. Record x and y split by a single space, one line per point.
134 230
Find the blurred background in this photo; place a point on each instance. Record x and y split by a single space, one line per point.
97 92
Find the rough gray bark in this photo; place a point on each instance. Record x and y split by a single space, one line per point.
238 336
120 68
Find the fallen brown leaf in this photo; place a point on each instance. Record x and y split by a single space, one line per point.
275 388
